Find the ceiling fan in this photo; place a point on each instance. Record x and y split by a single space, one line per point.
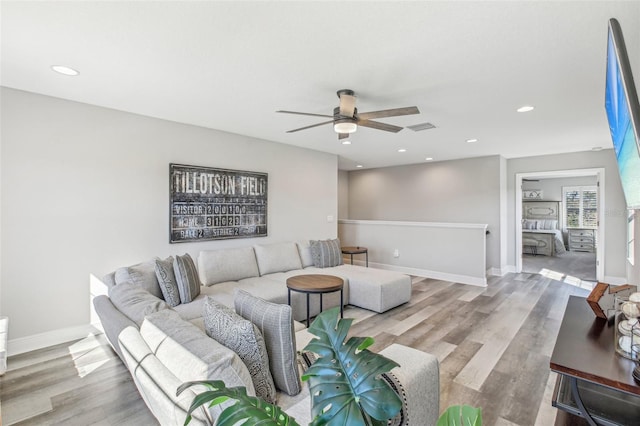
346 117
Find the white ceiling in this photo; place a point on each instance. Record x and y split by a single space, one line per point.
231 65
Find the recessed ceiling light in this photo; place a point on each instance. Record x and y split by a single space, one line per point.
346 142
402 150
64 70
359 166
472 140
525 108
429 159
596 148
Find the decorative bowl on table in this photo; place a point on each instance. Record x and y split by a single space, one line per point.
627 323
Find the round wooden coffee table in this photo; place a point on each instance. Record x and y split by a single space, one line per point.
315 284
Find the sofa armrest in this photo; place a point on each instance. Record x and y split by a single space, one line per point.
113 321
419 373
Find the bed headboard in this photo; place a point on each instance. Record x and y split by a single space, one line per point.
542 210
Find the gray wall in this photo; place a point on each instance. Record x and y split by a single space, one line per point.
552 188
615 208
85 190
343 194
469 191
463 191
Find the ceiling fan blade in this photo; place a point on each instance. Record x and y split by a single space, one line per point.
306 113
396 112
347 105
309 127
379 126
343 136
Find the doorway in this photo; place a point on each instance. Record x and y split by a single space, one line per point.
581 263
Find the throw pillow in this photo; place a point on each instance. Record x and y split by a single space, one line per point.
186 278
135 302
167 281
275 322
143 274
326 253
244 338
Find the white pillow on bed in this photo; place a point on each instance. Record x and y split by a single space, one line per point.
542 224
549 224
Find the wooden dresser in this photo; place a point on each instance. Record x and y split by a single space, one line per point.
581 239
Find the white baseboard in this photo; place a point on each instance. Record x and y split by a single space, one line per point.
444 276
502 271
50 338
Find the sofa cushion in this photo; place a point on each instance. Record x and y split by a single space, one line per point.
143 274
326 253
135 302
167 281
275 322
217 266
244 338
304 250
190 354
186 278
280 257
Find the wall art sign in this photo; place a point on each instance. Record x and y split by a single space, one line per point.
212 204
532 194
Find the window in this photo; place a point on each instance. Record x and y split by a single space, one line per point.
580 206
631 256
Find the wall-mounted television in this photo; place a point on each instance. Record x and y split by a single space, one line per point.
623 113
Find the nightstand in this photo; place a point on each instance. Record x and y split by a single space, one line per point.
581 239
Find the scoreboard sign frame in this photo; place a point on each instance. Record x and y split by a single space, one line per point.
208 203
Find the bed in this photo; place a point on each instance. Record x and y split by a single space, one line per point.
542 228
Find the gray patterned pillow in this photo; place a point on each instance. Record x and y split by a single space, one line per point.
275 322
167 281
244 338
186 278
326 253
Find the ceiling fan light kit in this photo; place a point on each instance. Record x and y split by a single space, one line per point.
345 126
346 118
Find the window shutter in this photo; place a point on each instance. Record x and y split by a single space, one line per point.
581 206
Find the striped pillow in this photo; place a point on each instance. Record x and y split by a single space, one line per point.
326 253
186 278
275 322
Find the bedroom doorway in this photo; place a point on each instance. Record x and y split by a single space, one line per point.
560 225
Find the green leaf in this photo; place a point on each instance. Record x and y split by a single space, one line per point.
245 408
461 415
344 382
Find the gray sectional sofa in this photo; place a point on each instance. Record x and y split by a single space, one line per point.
165 346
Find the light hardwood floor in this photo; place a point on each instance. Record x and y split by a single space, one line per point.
493 344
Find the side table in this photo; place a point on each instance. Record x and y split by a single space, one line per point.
356 250
315 284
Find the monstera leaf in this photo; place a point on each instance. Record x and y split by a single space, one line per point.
461 415
246 407
344 382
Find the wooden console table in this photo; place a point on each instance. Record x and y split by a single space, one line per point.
594 382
